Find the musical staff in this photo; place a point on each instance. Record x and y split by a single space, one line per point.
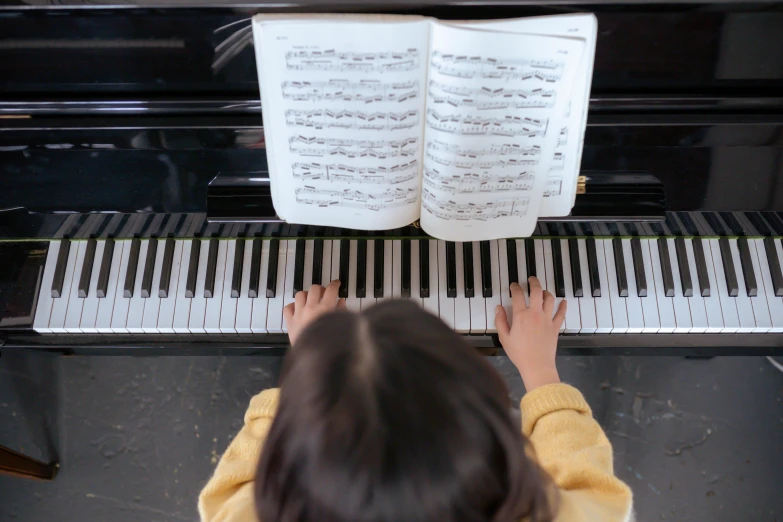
451 210
390 198
473 125
506 155
332 60
368 91
486 98
558 161
463 66
326 119
478 183
380 149
347 173
562 139
553 187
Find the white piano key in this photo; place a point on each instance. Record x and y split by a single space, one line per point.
603 303
73 315
665 304
538 244
352 302
731 322
461 303
245 303
522 269
326 264
774 303
261 303
228 306
682 310
445 303
493 302
149 323
334 263
214 304
274 313
369 285
712 306
178 287
699 319
415 273
504 293
119 315
307 280
744 304
548 277
431 303
136 304
290 263
587 311
198 303
168 304
633 303
619 309
396 253
478 304
573 321
652 321
388 270
761 310
106 305
43 309
88 323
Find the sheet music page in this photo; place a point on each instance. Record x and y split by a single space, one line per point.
560 189
343 109
495 102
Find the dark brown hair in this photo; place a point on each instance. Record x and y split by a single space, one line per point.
389 416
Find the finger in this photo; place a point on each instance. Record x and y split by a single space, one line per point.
517 298
560 315
549 303
315 294
536 293
288 314
300 299
341 305
330 294
501 324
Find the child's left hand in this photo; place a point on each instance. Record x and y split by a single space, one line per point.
309 305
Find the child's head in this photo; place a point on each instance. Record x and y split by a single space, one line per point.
389 416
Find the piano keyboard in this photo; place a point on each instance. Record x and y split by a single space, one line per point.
235 286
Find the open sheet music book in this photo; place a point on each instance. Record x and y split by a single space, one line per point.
474 128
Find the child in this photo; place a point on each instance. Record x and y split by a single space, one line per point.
389 416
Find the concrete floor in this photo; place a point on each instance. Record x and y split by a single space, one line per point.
138 437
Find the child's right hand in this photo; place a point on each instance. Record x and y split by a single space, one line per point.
531 339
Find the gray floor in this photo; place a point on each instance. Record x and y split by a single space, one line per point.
138 437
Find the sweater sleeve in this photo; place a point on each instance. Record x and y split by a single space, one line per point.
571 446
228 496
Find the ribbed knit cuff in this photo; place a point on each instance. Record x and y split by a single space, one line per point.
548 399
263 405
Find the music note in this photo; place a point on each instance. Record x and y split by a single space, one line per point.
333 60
486 98
346 173
506 155
463 66
473 125
344 119
478 182
389 198
452 210
365 92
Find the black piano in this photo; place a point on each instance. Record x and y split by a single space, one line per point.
134 202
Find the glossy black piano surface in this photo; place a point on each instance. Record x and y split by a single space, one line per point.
130 109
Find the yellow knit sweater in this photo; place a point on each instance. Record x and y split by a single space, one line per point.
568 442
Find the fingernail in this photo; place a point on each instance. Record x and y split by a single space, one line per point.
499 309
515 284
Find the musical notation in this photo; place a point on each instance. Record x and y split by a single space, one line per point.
463 66
553 187
327 119
506 155
558 161
474 125
485 98
477 182
451 210
389 198
350 174
333 60
562 139
320 147
369 91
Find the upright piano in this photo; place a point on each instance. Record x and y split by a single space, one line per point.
134 201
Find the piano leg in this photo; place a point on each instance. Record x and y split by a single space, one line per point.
16 464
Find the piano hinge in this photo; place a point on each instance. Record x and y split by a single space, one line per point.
581 184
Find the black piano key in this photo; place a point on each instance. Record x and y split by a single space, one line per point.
378 260
467 265
728 267
530 257
732 223
774 222
592 266
557 260
318 259
361 268
165 269
682 263
190 282
239 261
758 222
86 274
619 266
576 269
406 268
424 268
133 264
486 269
511 258
255 269
271 268
774 266
345 254
747 267
687 221
714 222
59 268
451 269
638 267
666 267
701 267
209 282
299 261
103 275
149 268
